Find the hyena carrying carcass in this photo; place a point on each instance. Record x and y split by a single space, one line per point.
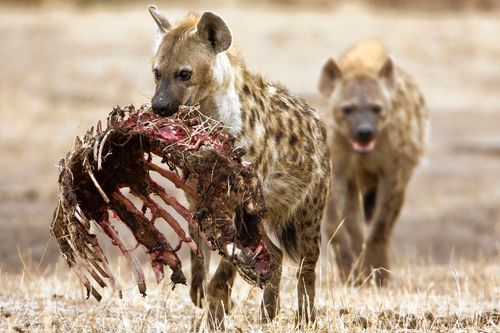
378 133
284 138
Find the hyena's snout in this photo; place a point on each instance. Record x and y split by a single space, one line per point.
363 138
164 108
364 133
163 104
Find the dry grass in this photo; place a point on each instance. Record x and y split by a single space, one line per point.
63 68
420 298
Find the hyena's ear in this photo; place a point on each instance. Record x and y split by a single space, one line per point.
329 75
386 73
214 31
161 21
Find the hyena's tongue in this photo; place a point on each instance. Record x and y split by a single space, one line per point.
363 147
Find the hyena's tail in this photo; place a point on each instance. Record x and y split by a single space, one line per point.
287 238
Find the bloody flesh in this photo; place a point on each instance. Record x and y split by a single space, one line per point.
198 157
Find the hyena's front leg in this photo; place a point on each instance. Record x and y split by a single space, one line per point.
309 239
341 226
199 266
199 269
341 243
390 197
270 306
219 294
355 219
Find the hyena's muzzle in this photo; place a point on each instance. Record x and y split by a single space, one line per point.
164 102
363 131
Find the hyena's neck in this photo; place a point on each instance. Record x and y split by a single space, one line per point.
226 99
240 95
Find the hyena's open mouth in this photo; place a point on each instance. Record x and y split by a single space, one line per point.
363 148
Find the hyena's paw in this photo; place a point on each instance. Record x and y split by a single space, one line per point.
213 320
269 309
346 265
306 319
376 263
217 311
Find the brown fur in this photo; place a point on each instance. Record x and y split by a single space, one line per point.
285 141
370 186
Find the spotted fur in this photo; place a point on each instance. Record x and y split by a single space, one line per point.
285 140
370 187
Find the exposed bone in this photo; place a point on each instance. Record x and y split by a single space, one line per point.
212 172
174 178
95 253
99 188
171 221
78 143
144 232
134 264
101 147
94 263
88 286
105 266
96 150
180 209
99 128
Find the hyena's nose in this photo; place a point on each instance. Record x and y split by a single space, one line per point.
161 109
365 134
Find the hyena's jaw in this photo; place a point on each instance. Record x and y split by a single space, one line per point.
363 148
226 98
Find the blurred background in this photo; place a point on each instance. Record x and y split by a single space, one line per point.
65 64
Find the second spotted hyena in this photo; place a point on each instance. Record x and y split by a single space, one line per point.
378 134
284 138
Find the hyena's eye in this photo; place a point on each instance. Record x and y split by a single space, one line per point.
184 75
157 74
347 110
376 109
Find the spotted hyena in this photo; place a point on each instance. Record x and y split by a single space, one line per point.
378 134
284 138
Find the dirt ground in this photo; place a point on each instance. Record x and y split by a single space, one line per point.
419 299
63 68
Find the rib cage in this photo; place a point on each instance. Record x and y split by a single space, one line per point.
198 157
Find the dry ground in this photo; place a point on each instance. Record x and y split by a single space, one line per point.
461 298
63 68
